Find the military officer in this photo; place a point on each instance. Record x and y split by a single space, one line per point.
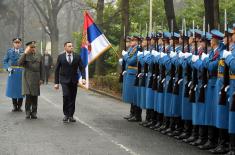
14 82
32 78
131 70
211 64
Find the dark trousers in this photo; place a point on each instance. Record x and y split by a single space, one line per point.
31 105
17 102
46 73
69 98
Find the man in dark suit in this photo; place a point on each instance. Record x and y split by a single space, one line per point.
66 73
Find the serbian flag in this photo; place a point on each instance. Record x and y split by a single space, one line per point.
94 43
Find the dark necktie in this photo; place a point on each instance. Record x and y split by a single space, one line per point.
69 58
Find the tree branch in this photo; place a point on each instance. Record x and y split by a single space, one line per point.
39 8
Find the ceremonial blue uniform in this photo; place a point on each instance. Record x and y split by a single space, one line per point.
14 82
211 99
222 109
166 61
142 81
131 70
177 98
230 61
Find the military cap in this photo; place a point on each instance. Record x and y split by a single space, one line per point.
175 35
217 34
30 43
166 35
16 39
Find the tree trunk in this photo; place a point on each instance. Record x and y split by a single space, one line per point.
54 43
170 14
212 13
99 67
125 23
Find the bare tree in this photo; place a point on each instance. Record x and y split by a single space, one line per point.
125 22
47 11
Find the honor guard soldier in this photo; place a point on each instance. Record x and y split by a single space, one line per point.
131 70
229 57
14 82
32 78
212 98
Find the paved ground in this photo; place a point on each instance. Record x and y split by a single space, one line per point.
100 129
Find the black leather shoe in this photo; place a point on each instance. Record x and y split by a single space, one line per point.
183 135
162 127
14 109
71 119
231 153
220 149
34 117
156 126
199 141
152 123
128 116
175 133
66 119
143 123
27 117
207 146
134 119
190 139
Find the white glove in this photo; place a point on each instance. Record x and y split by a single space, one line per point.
163 54
124 52
9 69
195 58
181 54
120 61
155 53
226 54
172 54
204 56
187 55
139 53
124 72
140 75
146 52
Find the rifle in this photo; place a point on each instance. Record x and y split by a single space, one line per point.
160 87
155 68
170 86
150 85
138 64
192 92
223 95
201 97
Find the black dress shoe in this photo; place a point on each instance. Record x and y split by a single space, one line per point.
183 135
143 123
162 127
152 123
220 149
71 119
128 116
207 146
66 119
34 117
177 132
14 109
134 119
27 116
231 153
156 126
190 139
199 141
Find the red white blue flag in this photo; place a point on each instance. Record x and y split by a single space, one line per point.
94 43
